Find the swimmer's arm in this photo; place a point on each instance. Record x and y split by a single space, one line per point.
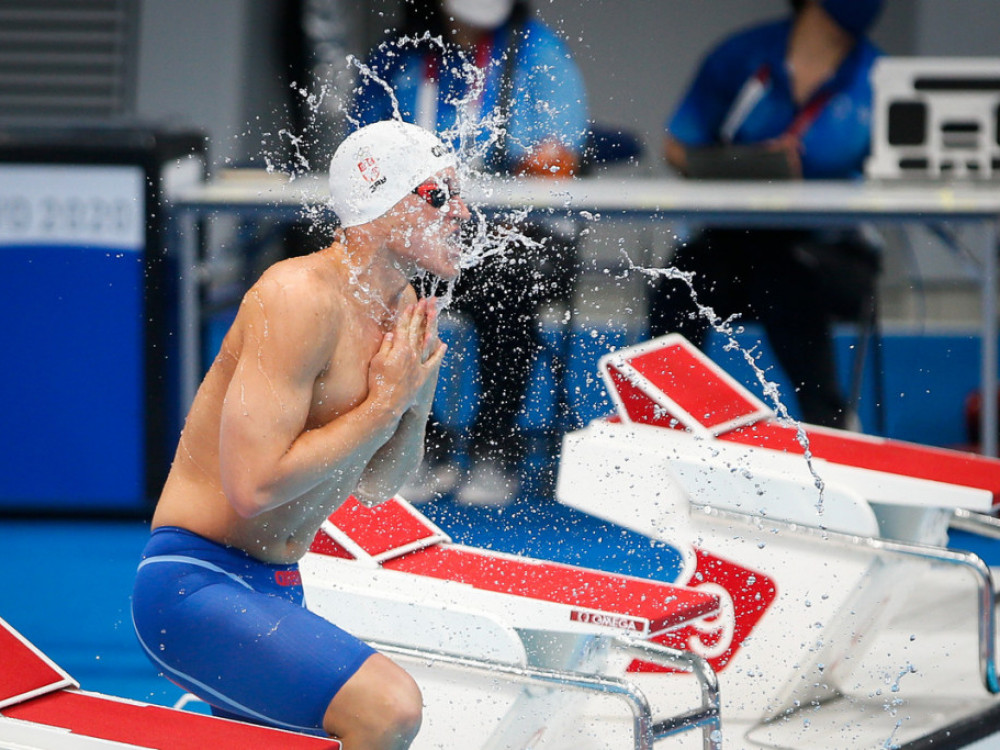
395 461
267 457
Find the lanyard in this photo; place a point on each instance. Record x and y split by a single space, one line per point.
428 93
807 116
750 95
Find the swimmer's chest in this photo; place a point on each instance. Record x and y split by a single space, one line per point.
343 384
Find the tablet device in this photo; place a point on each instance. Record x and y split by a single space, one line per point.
742 162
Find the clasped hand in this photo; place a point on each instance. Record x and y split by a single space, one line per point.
404 370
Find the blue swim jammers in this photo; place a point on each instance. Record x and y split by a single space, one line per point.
235 632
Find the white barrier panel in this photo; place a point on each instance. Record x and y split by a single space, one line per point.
936 118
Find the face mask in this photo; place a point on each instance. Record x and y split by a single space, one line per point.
484 14
854 16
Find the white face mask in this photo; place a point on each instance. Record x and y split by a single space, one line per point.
484 14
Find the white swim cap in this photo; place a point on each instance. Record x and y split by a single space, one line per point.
378 165
484 14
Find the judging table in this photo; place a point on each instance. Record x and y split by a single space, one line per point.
257 196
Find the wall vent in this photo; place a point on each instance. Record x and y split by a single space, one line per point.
67 60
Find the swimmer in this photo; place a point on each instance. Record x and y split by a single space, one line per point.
321 390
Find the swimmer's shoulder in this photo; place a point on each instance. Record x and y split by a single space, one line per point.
307 285
293 301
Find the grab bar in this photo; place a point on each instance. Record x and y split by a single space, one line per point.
645 731
967 560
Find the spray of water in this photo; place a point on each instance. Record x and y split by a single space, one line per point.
725 327
475 134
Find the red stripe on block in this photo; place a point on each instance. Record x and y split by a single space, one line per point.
663 605
154 726
323 544
878 454
24 671
385 527
639 406
697 386
751 594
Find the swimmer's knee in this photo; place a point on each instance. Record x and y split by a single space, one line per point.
405 709
387 715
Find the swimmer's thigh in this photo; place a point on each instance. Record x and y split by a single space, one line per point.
255 655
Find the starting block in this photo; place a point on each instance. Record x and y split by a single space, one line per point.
804 532
670 383
41 706
388 575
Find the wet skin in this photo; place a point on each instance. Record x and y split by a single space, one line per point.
321 388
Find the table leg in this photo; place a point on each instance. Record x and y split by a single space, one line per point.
988 372
185 238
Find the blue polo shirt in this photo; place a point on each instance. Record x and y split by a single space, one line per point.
836 143
549 100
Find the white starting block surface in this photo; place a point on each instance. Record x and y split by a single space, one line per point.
826 638
41 708
669 383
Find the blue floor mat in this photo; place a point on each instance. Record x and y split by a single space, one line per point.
67 588
542 528
987 549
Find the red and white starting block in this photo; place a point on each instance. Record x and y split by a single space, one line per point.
42 708
841 605
536 651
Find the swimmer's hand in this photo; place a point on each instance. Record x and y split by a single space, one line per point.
399 371
431 341
431 344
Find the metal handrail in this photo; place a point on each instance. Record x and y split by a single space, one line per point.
977 523
708 717
987 617
645 731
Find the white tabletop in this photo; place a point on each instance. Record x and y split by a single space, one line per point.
641 196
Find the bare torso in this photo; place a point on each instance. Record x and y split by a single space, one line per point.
350 328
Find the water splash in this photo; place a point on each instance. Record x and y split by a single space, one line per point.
370 74
725 327
297 142
474 135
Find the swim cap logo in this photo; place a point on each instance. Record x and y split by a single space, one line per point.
370 172
437 151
